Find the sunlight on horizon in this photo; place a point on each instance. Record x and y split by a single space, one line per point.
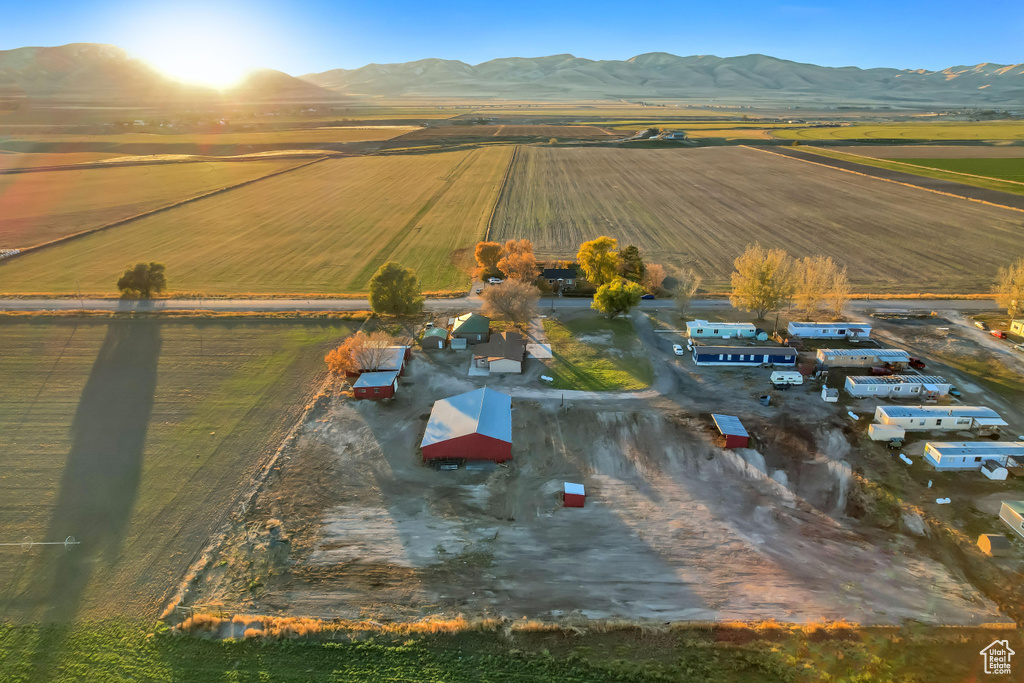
198 56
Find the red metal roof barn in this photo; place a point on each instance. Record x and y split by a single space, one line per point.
376 385
573 495
476 425
732 429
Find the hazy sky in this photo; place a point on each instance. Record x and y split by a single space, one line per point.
302 36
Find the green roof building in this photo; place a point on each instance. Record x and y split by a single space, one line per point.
472 327
434 338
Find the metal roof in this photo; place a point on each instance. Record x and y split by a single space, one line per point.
747 350
881 354
1015 505
829 326
719 326
938 411
575 489
392 358
897 379
471 323
729 425
483 411
435 332
953 448
376 379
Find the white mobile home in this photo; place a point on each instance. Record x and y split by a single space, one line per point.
897 386
938 418
702 329
1012 512
971 455
852 331
862 358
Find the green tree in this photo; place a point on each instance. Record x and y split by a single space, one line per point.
631 266
599 260
142 280
395 290
764 280
616 298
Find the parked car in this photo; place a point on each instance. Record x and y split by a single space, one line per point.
895 443
916 363
647 297
879 370
998 334
677 349
980 325
479 290
429 326
954 392
494 280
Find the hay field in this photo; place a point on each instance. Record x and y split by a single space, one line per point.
539 133
935 151
323 229
136 437
959 130
326 133
701 207
44 205
19 160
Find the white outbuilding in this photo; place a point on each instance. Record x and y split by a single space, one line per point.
897 386
939 418
990 457
702 329
862 358
809 330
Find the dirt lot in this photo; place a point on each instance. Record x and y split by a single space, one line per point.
701 207
675 527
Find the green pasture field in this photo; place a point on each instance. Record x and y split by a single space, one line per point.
112 651
991 173
322 229
43 205
981 130
137 437
596 354
699 208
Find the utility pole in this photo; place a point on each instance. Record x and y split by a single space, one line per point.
80 299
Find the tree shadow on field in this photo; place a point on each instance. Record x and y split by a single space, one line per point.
104 466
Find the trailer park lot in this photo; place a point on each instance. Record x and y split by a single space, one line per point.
352 524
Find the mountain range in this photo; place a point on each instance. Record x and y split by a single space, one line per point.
663 75
105 73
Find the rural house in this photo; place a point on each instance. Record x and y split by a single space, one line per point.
897 386
744 355
476 425
376 385
807 330
565 278
434 338
973 455
702 329
863 358
504 352
939 418
1012 512
472 327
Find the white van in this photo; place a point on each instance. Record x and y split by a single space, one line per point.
787 378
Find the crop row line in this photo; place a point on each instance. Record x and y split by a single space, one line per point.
501 191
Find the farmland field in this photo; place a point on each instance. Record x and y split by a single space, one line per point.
701 207
538 133
982 130
321 229
326 133
1003 169
44 205
18 160
135 437
935 151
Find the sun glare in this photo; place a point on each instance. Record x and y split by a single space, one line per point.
198 55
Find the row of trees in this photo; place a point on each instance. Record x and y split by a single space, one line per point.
767 279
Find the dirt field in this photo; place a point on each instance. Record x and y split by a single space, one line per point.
136 437
675 528
526 133
322 229
935 151
701 207
38 207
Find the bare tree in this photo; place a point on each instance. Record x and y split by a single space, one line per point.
839 294
361 351
763 280
654 277
688 282
1010 288
512 300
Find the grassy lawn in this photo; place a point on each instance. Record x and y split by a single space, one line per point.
1003 169
114 651
931 169
323 229
136 437
596 354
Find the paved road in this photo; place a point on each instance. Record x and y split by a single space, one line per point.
472 303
